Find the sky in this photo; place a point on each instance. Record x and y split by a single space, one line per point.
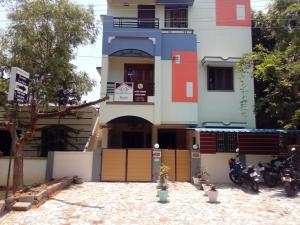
89 57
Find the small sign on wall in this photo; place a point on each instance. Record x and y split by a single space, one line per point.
195 155
156 154
123 92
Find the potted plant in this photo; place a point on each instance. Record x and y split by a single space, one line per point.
200 178
163 183
206 188
212 194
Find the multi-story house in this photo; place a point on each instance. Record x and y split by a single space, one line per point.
168 67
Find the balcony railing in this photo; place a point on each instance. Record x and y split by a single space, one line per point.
177 31
130 22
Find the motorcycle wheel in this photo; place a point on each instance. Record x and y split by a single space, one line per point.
233 177
290 190
270 181
254 186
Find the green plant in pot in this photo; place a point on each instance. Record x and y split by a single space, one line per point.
163 183
200 178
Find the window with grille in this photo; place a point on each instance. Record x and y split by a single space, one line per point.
226 142
176 16
220 79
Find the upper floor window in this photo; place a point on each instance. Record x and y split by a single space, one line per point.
220 79
176 16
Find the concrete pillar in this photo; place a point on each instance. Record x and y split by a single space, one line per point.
49 167
157 97
156 161
96 165
104 137
154 135
195 161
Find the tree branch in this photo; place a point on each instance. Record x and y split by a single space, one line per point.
70 109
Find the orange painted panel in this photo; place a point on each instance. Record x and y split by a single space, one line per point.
184 77
139 165
168 158
183 165
226 13
113 165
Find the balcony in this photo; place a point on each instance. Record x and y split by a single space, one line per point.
131 22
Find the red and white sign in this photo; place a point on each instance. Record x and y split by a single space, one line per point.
123 92
140 93
156 154
195 155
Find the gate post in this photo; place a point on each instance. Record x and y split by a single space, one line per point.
156 161
195 160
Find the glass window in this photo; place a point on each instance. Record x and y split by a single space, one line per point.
220 78
176 16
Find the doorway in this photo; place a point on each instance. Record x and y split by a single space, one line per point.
146 16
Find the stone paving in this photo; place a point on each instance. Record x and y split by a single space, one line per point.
136 203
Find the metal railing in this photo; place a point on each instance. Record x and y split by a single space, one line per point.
177 31
132 22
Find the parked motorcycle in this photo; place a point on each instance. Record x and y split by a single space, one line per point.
291 178
271 172
240 174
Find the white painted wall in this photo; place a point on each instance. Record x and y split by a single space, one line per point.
255 159
73 164
217 166
223 41
34 170
174 112
112 111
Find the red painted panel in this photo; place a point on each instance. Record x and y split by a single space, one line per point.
226 13
184 71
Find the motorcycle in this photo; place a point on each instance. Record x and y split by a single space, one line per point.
239 174
271 172
291 179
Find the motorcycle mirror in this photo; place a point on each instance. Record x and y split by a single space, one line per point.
237 150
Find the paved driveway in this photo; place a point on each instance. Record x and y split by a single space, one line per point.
136 203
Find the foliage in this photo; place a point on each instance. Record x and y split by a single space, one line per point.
163 176
41 39
213 188
201 173
276 65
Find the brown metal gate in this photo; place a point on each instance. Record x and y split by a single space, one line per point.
179 162
126 165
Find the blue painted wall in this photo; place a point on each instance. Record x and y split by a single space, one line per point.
138 38
177 42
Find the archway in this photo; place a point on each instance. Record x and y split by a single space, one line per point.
129 132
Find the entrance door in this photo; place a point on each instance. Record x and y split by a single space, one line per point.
5 143
140 73
146 16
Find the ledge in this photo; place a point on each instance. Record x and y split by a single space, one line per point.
130 103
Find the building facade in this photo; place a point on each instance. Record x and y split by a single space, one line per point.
178 59
169 67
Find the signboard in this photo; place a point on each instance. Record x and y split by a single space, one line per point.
156 154
18 86
123 92
140 93
195 155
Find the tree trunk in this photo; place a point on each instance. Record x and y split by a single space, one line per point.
18 168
